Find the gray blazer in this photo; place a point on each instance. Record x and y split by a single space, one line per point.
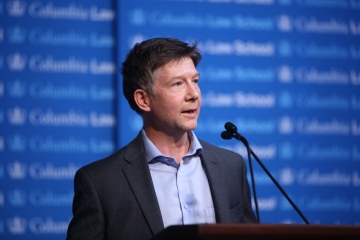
115 198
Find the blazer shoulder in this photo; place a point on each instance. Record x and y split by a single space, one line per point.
118 159
225 157
213 148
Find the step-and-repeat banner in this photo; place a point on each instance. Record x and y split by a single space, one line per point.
287 74
57 108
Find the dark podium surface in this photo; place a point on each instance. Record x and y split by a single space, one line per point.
260 231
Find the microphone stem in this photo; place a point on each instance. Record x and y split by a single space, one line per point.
253 181
279 187
246 143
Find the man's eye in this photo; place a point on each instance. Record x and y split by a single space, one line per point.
177 84
196 81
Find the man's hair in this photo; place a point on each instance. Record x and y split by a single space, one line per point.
146 57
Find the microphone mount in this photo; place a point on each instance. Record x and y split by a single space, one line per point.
231 132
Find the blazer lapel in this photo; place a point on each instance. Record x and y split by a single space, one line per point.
210 162
138 174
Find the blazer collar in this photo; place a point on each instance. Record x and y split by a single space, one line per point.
138 175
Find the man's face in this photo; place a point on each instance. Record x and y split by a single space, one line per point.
176 100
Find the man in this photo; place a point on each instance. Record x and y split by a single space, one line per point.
165 176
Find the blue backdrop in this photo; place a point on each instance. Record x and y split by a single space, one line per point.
286 72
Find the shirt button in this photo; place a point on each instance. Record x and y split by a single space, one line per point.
186 206
180 174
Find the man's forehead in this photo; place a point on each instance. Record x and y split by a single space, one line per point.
173 63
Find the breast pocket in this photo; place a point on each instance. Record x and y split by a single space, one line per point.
237 213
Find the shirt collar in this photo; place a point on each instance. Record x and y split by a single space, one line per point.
152 151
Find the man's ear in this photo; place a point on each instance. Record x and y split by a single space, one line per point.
142 100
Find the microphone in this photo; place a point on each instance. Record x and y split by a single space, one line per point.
226 135
231 130
230 127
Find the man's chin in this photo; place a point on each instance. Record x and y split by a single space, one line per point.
187 125
190 127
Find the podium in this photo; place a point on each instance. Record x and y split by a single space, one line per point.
260 231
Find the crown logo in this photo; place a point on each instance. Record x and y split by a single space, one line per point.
17 143
286 125
16 34
284 23
136 39
285 99
16 88
16 8
17 170
287 176
285 49
286 150
17 225
138 17
16 62
285 74
16 116
17 197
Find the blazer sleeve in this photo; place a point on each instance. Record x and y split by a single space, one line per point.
88 220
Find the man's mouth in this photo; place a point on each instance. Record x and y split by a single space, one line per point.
189 111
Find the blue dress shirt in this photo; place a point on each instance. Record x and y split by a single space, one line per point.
182 190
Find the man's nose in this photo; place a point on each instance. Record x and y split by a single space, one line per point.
193 92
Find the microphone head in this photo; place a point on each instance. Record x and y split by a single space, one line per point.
226 135
230 127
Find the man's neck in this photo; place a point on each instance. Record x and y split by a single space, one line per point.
169 145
